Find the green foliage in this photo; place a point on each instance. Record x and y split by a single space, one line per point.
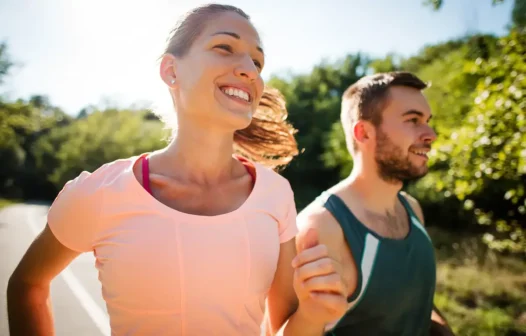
472 47
313 102
6 202
518 14
481 301
480 291
431 53
21 124
437 4
100 137
336 154
451 89
42 148
487 154
5 62
389 63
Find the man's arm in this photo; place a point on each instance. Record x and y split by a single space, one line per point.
439 322
307 292
328 231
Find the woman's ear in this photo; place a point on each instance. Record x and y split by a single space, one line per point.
168 70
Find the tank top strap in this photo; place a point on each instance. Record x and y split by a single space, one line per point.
353 229
354 232
407 206
414 220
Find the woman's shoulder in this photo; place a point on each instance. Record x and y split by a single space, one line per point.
75 215
277 197
272 180
89 183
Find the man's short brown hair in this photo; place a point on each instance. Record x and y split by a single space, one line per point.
366 99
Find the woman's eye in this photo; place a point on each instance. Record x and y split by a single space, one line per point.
225 47
229 49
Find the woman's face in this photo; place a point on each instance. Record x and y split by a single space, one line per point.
219 80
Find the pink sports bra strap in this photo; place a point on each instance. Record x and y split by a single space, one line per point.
146 174
247 167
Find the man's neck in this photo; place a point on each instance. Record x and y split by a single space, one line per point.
375 194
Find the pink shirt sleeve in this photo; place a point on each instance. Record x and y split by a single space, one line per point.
288 227
74 213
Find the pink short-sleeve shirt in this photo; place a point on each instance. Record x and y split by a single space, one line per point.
164 272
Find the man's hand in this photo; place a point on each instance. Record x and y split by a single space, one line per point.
438 329
319 287
439 326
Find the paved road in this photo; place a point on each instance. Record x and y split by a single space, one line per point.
77 303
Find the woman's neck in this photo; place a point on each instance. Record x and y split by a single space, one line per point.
197 156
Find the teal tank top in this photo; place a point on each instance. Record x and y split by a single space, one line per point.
396 277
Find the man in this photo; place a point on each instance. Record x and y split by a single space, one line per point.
372 229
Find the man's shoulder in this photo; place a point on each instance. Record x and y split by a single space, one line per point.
409 198
316 216
413 202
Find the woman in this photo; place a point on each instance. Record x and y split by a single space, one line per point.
192 239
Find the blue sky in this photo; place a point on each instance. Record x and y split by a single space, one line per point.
83 52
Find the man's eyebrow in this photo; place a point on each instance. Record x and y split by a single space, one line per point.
415 112
410 112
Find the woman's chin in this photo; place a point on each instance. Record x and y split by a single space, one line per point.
238 120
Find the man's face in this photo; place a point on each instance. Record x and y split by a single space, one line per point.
404 137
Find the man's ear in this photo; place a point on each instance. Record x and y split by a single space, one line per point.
363 132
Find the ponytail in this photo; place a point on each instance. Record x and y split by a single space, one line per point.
269 139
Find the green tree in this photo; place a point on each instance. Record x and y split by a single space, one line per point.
391 62
437 4
313 102
5 62
97 138
518 14
21 124
488 153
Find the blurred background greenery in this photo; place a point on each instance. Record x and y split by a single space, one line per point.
473 198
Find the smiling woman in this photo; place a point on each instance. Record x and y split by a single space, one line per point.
262 133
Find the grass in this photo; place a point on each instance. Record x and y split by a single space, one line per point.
5 202
480 293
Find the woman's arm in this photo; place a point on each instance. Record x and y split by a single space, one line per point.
281 301
28 302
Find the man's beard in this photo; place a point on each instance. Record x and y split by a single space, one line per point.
394 165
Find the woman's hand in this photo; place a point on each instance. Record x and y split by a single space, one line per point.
318 282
